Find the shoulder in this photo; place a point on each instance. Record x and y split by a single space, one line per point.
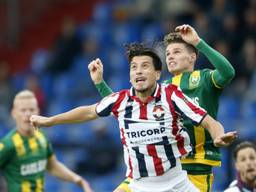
232 187
6 143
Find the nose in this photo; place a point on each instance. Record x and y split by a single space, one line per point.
170 57
139 70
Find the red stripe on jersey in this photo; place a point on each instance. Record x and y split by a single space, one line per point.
192 106
180 144
124 143
180 140
118 102
143 111
169 90
157 161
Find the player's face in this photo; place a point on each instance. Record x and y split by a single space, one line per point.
246 164
179 59
21 112
143 75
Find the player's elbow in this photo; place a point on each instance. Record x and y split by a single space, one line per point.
230 73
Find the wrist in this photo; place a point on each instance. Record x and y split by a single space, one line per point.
78 180
97 82
196 42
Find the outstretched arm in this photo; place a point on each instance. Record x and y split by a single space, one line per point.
216 131
96 71
77 115
57 169
224 71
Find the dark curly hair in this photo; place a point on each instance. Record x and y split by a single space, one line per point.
176 38
141 49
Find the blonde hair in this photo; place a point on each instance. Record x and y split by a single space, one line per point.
24 94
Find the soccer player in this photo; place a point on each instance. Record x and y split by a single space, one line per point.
245 163
26 154
150 125
203 86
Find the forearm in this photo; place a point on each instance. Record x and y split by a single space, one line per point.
214 127
60 171
103 89
77 115
224 71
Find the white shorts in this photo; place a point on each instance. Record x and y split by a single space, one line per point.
174 180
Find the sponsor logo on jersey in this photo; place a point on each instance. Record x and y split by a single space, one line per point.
33 168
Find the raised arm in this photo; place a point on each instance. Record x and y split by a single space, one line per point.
77 115
59 170
96 71
224 71
216 130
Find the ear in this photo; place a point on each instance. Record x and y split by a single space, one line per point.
193 57
158 75
13 113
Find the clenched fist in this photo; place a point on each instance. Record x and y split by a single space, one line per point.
39 121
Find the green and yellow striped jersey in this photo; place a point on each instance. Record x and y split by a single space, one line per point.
201 88
23 161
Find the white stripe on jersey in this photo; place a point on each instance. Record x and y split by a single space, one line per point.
183 106
146 129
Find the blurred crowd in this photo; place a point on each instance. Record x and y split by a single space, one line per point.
60 78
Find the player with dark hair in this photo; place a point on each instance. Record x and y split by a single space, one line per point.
245 163
25 155
204 87
150 122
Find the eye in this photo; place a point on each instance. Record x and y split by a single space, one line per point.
133 67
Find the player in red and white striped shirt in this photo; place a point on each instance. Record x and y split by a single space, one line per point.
150 121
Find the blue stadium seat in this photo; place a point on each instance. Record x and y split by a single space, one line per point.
229 107
102 13
152 32
248 109
125 33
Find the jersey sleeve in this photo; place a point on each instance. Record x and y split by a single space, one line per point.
103 89
224 72
6 151
187 107
106 105
48 144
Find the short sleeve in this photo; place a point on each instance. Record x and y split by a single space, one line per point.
106 105
187 106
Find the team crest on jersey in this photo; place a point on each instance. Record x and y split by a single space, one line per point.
194 80
158 112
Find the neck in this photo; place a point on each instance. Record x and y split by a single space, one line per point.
189 69
24 133
143 95
246 183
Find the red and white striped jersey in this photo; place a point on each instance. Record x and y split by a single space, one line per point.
152 132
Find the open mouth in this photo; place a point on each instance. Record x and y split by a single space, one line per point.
250 170
172 64
140 79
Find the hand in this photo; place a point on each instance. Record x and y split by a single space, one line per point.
96 71
84 185
188 34
39 121
225 139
